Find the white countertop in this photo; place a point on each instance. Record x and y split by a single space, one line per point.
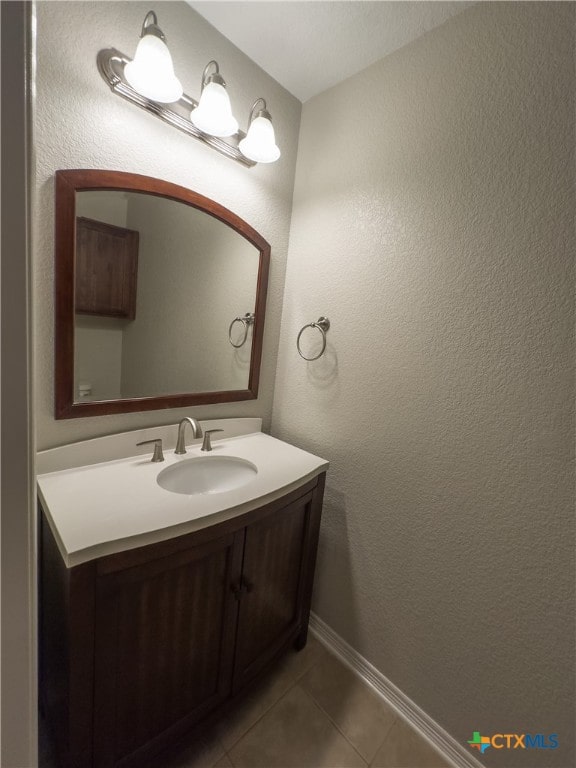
112 506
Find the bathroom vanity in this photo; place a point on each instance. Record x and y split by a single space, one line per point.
167 586
149 630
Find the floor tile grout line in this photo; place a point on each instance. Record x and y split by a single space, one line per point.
292 684
407 710
387 732
265 712
321 708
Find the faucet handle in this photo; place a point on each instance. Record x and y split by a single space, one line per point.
157 455
206 443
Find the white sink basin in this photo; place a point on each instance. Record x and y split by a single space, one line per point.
207 474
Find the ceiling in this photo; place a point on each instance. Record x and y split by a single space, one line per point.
311 46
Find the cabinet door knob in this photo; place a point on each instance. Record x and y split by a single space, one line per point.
241 587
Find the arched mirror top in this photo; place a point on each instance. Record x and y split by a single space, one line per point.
160 296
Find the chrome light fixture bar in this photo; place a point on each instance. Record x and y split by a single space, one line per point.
111 65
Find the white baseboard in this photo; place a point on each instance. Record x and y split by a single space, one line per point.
452 750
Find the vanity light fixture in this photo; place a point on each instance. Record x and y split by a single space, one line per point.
213 115
149 82
151 74
260 143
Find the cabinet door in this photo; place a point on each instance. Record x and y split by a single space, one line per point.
106 269
272 587
164 648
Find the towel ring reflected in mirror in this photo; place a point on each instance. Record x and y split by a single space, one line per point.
247 321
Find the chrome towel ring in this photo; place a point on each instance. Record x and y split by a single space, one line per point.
247 321
323 325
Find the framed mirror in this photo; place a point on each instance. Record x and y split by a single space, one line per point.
160 297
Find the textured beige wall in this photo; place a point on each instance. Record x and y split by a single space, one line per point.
97 357
79 123
433 223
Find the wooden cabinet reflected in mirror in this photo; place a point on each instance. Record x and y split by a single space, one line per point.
149 277
106 269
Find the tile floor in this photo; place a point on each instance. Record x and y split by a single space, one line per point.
310 712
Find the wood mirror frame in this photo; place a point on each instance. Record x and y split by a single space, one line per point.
68 183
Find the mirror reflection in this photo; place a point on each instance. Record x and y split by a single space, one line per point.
157 286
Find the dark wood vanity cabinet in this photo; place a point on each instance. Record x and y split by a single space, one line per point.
139 647
106 269
162 651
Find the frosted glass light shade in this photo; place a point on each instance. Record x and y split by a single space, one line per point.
151 74
260 142
213 115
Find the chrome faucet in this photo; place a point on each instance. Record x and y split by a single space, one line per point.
196 432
